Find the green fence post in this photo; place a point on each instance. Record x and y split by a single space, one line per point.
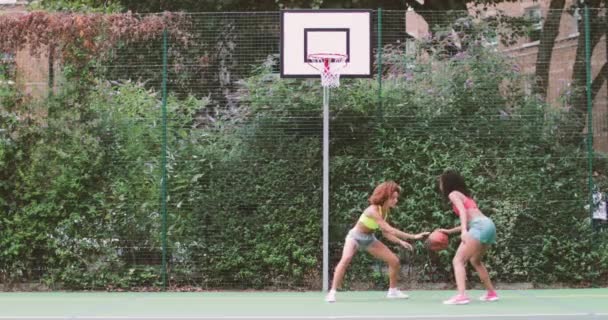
380 111
589 110
51 66
163 186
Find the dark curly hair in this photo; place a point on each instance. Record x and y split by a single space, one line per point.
452 181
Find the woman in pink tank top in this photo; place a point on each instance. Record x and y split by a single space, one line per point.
477 233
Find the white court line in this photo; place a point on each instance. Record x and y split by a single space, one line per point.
294 298
443 316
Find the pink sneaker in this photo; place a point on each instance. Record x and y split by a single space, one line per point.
457 299
489 296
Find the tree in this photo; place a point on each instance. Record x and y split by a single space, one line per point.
88 6
545 48
548 36
550 30
597 22
439 14
80 40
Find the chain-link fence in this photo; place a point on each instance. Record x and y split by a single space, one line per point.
185 160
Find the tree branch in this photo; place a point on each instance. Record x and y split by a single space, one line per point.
599 81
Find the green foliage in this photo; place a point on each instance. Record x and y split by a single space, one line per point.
80 187
85 6
468 112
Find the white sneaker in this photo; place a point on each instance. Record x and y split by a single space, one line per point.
331 296
396 294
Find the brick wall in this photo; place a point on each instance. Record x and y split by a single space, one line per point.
31 72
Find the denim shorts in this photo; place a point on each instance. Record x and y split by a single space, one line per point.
483 229
364 240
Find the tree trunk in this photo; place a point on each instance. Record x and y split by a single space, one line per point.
579 101
547 42
606 44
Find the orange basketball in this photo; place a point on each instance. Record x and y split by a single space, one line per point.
437 241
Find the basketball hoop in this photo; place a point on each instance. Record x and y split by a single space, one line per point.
329 65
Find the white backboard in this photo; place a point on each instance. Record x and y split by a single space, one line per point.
305 32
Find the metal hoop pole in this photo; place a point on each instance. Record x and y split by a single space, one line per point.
325 188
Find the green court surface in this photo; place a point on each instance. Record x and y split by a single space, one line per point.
514 304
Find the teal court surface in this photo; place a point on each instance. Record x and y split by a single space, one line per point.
514 304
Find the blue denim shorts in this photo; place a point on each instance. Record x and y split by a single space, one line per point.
483 229
364 240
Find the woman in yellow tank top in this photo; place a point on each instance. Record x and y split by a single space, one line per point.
361 237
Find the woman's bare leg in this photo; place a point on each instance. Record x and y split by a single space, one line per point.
482 272
382 252
465 251
349 251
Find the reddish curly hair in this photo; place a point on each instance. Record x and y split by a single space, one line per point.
384 191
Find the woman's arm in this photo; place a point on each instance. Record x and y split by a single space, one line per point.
456 199
418 236
387 229
384 226
390 233
409 236
394 239
450 231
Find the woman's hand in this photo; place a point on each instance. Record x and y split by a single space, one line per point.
406 245
446 231
421 235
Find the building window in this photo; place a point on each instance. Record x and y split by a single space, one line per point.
535 17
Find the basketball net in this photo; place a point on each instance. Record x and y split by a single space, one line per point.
329 66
